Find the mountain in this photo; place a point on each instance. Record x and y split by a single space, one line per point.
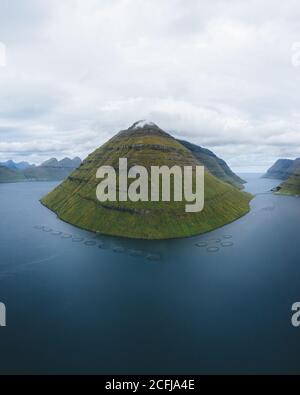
144 144
52 169
217 166
16 166
70 163
287 170
282 169
10 175
291 186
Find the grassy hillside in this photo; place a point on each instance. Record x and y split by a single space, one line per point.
292 185
75 200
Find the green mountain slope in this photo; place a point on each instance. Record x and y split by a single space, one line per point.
292 185
217 166
10 175
75 200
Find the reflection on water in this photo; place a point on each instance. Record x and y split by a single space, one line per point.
84 303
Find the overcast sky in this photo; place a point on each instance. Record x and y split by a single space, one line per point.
222 74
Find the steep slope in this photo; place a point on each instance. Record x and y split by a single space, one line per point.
217 166
292 185
282 169
52 170
10 175
144 144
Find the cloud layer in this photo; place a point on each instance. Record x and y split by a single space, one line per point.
220 74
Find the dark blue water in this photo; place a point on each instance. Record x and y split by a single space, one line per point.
217 303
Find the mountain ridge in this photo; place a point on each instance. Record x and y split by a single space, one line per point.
50 170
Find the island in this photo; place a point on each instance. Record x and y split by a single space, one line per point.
146 144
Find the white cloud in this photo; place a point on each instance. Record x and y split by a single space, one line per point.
219 74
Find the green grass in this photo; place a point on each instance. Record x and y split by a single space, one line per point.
75 201
292 185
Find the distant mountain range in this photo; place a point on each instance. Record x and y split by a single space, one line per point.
16 166
50 170
287 170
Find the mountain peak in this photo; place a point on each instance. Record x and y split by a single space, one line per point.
50 162
142 124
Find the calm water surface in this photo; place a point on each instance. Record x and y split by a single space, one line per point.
216 303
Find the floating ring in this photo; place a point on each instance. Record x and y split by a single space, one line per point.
212 249
66 236
90 243
214 240
77 239
56 233
46 229
202 244
227 244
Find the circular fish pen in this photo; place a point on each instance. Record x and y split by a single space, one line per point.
212 249
90 243
202 244
135 253
55 233
227 244
77 239
46 229
66 236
